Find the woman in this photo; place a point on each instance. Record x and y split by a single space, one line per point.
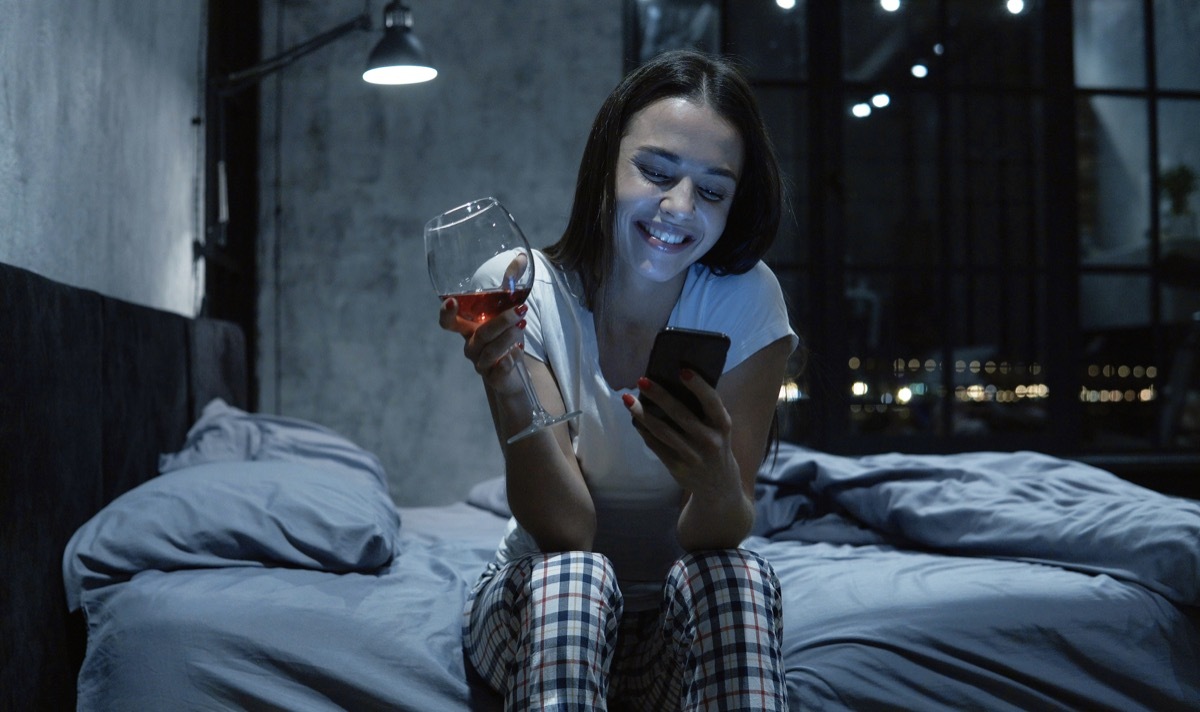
620 580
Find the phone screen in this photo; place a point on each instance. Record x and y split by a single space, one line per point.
674 349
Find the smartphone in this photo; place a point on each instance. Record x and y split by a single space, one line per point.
674 349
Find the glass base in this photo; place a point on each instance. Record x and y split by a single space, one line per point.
541 422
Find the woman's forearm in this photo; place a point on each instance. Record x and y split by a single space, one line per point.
715 522
546 491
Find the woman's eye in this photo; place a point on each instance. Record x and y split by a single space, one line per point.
652 175
655 176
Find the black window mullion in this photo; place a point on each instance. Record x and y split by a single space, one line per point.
945 260
826 224
1157 331
1064 342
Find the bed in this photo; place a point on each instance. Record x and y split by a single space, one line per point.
165 548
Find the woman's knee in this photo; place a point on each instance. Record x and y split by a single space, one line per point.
580 570
567 580
724 573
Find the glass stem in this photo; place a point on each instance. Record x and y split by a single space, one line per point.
535 406
541 419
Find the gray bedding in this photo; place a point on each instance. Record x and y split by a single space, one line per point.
986 581
288 638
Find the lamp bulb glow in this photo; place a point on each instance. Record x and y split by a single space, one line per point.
408 74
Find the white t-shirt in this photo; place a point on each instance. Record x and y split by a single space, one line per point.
637 501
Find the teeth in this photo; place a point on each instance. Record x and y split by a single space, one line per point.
663 236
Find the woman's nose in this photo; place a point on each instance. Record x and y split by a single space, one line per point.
679 200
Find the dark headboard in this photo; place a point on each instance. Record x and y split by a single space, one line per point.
92 389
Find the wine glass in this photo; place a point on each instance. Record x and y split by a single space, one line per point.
478 256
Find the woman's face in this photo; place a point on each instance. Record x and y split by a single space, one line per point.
676 173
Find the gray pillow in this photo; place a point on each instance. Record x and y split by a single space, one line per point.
224 433
234 513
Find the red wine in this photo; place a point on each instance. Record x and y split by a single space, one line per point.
481 306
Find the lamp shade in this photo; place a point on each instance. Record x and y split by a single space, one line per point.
399 57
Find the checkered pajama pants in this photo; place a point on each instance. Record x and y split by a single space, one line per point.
547 631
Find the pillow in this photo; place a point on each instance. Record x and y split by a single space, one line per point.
491 495
223 514
226 433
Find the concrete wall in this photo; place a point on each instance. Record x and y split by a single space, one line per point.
350 173
100 162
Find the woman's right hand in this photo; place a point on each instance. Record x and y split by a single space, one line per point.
491 346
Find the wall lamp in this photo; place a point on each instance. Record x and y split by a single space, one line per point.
398 58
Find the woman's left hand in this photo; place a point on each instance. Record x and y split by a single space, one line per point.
698 451
715 456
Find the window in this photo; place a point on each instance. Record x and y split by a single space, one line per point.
996 237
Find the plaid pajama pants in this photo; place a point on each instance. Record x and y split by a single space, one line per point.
548 631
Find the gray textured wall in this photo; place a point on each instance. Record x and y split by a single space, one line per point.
350 173
100 163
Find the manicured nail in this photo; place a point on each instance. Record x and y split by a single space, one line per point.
521 324
643 383
686 374
627 400
522 309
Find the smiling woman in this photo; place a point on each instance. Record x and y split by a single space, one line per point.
678 197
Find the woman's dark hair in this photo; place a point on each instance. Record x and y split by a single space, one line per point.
586 245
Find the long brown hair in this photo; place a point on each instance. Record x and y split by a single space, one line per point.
586 245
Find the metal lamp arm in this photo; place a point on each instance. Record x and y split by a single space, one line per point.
236 81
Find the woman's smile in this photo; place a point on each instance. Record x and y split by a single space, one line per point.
665 237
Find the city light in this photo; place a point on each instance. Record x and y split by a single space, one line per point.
875 397
790 392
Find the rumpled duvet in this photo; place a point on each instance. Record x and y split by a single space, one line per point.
989 581
1021 505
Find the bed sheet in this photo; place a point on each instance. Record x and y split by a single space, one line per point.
990 581
867 626
872 627
296 639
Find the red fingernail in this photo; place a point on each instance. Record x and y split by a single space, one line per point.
627 400
643 383
522 309
686 374
521 324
